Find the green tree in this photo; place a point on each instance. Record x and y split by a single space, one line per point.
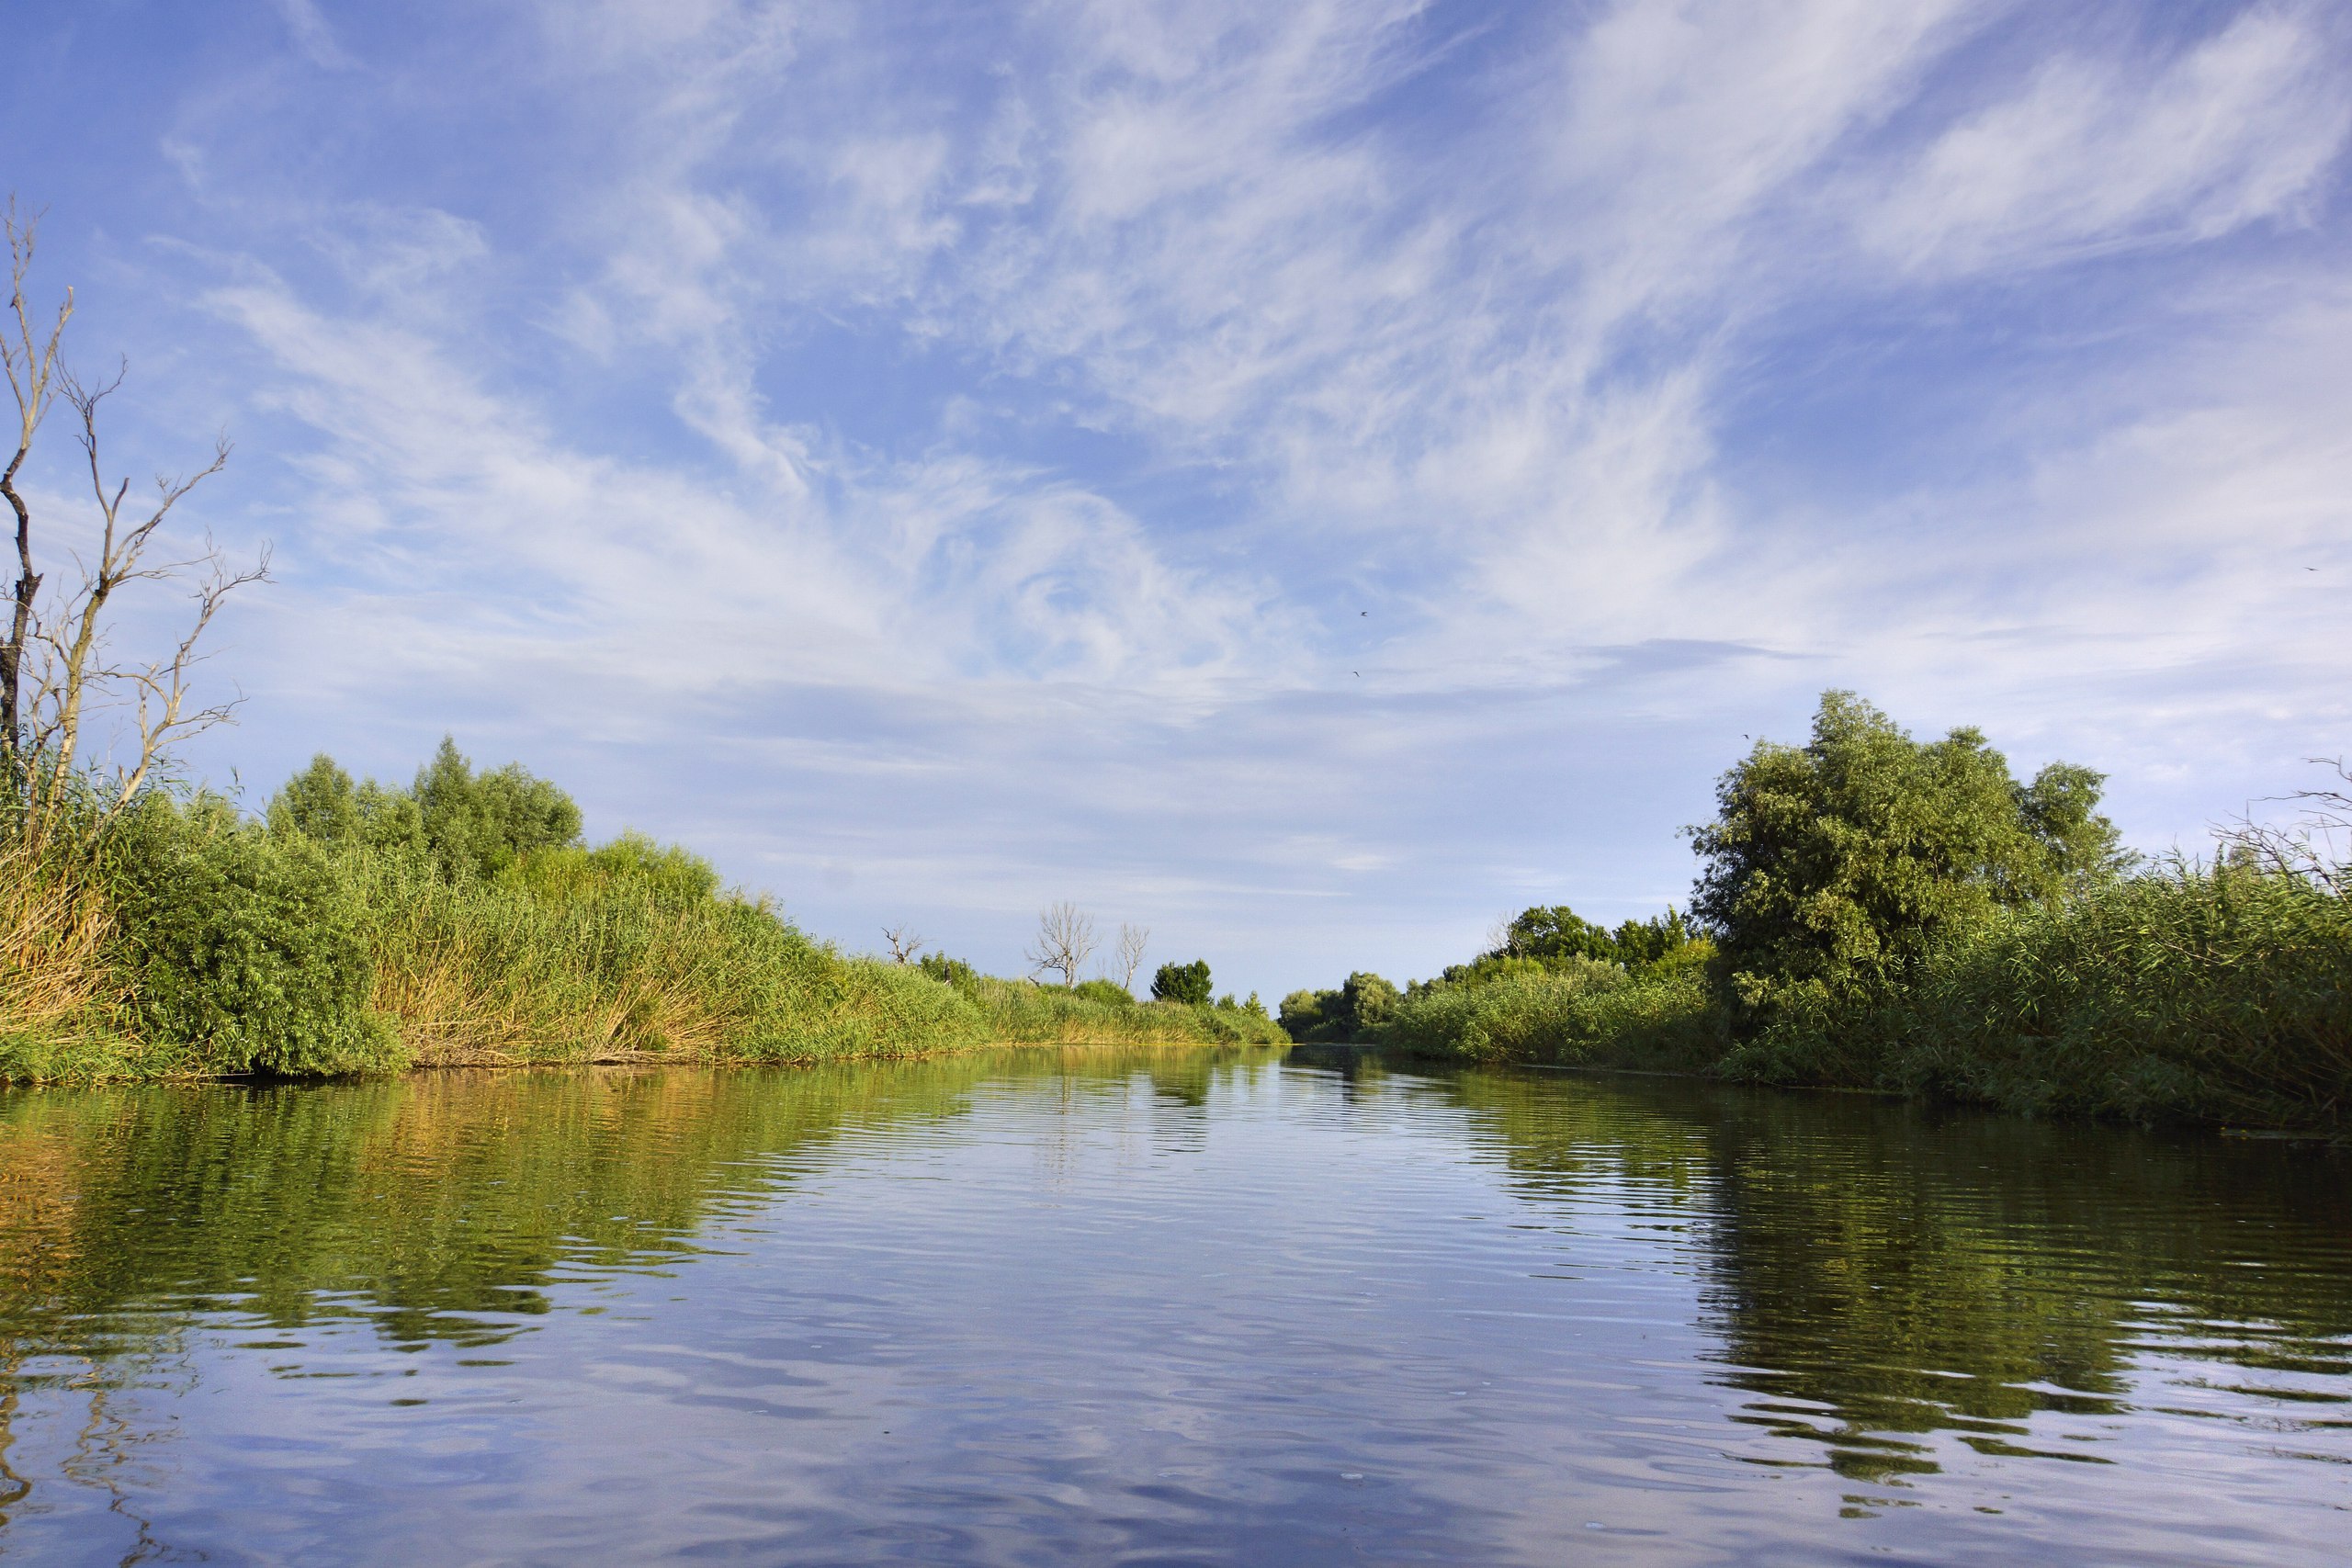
1304 1013
1186 982
1555 933
1366 1002
478 824
323 805
1831 868
319 803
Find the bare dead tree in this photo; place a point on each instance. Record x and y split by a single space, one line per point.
30 357
57 670
1132 942
1064 937
904 943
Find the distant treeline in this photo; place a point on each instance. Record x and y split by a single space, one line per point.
360 927
1879 912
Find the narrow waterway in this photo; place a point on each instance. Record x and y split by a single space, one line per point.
1164 1307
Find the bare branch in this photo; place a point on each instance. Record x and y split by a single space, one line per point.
904 943
1133 941
1064 937
30 356
2316 847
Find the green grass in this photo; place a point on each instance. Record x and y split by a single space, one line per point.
2191 994
1580 1013
1022 1012
186 942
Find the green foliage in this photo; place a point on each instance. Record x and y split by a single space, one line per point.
1365 1003
243 949
478 824
1833 868
320 804
1304 1013
1352 1014
1577 1012
1908 917
1555 936
472 825
1099 1013
949 971
2195 993
1555 933
1186 982
666 874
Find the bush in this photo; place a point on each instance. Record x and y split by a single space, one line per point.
1109 992
242 948
1305 1015
1022 1012
1186 983
1587 1014
949 971
2206 994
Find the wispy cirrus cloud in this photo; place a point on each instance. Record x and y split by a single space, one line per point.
2098 154
1375 456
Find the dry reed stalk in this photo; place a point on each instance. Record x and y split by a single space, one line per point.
55 981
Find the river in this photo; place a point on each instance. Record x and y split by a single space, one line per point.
1164 1307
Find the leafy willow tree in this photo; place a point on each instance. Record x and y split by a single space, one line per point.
480 823
1554 931
1553 935
1186 982
1831 868
1348 1013
471 824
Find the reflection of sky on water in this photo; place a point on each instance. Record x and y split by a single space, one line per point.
982 1310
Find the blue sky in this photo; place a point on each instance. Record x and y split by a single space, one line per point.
1306 478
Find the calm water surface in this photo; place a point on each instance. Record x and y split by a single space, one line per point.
1134 1307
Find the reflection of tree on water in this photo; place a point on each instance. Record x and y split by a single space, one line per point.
1880 1275
444 1207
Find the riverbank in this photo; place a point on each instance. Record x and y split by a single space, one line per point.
2216 994
342 936
1878 912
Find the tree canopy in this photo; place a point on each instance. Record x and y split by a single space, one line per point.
1832 867
472 824
1187 983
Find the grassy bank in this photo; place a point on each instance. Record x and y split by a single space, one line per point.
1880 913
2217 994
353 932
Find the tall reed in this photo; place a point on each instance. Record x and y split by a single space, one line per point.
61 993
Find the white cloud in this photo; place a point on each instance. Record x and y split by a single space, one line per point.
986 436
312 35
2093 154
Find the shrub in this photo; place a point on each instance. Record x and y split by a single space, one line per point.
1186 982
2211 994
478 824
1304 1013
242 948
1587 1013
949 971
